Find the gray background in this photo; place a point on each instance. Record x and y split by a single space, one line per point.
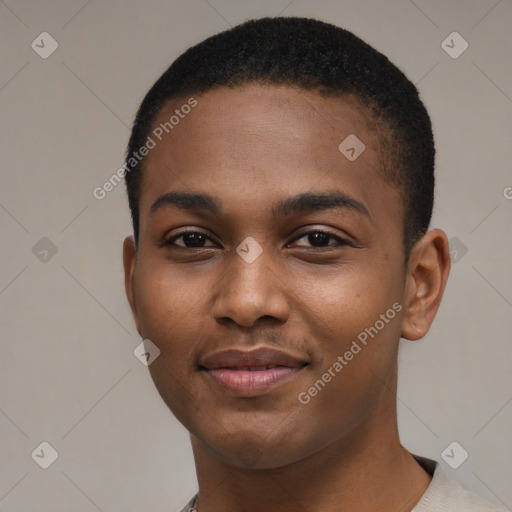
68 374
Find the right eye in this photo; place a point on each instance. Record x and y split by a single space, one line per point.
188 240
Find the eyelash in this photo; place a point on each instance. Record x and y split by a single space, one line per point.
169 242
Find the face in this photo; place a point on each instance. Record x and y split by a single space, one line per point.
269 272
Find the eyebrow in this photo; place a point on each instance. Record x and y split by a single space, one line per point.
307 202
310 202
187 201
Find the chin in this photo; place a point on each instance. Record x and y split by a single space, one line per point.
246 450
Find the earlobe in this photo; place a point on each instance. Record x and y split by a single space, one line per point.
427 273
129 263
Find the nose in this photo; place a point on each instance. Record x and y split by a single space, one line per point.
250 292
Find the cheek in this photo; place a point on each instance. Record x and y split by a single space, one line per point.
355 321
355 374
164 301
344 302
171 317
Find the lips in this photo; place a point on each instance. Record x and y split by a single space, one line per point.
251 373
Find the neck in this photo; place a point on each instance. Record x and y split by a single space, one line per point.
367 470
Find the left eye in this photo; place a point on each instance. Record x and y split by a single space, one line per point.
319 239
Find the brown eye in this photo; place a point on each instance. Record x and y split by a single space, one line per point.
189 240
319 239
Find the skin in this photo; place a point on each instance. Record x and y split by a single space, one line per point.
250 148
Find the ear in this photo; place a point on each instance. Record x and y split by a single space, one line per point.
129 262
427 272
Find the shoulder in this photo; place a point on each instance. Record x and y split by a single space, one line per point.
446 495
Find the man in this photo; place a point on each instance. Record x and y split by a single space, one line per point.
280 177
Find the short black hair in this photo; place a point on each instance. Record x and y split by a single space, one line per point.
311 55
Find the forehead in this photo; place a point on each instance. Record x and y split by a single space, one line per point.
261 143
259 110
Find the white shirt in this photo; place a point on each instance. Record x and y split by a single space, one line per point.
446 495
442 495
